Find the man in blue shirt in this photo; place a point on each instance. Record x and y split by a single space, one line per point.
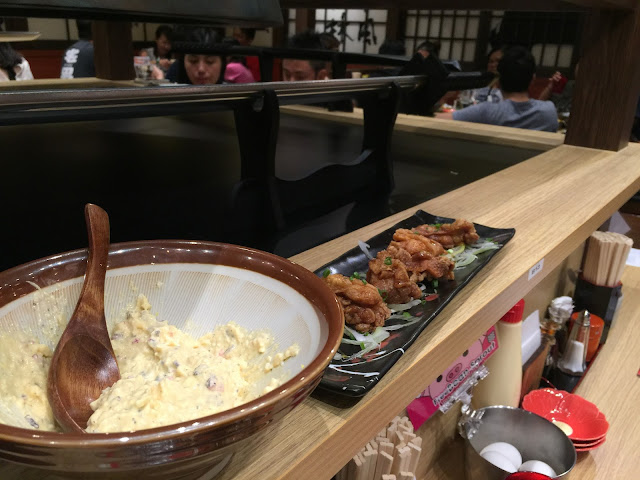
517 69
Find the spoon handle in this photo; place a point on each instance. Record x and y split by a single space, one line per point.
91 303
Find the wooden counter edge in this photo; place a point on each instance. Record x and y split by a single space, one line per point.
64 83
511 137
543 187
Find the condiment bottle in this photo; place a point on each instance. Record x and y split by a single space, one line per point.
554 329
573 361
559 312
502 385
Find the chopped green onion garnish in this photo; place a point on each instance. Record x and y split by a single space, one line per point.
387 261
423 302
406 315
435 284
326 273
357 276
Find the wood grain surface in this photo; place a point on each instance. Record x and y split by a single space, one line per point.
66 83
554 201
450 129
112 50
598 118
613 385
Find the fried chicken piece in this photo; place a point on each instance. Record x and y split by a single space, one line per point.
390 276
423 257
450 235
363 306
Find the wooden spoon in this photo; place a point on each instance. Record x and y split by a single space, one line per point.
83 363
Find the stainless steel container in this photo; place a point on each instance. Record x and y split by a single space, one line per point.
535 437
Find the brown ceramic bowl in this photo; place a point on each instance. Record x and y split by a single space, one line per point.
199 282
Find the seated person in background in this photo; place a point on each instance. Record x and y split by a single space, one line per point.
197 69
517 69
245 37
432 48
491 93
390 47
429 48
13 66
329 42
560 91
294 70
77 61
236 70
161 53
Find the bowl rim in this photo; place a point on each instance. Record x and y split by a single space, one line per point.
532 401
286 271
568 442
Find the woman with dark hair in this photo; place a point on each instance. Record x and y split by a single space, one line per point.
13 66
195 68
428 48
160 53
491 93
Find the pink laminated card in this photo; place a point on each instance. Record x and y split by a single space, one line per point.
430 400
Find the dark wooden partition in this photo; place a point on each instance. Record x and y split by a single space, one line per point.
112 50
608 81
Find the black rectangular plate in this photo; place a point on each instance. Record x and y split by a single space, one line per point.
356 377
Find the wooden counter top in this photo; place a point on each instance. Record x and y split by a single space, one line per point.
554 201
451 129
613 385
63 83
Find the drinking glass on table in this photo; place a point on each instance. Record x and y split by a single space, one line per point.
465 99
142 66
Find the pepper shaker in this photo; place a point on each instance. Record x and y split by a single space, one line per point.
573 361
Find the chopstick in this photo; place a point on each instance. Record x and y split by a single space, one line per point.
392 455
605 258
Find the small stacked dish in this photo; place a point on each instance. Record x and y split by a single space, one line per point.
527 476
584 424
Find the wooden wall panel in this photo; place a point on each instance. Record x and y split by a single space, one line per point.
44 63
112 50
608 81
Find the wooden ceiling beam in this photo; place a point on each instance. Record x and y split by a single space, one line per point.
538 5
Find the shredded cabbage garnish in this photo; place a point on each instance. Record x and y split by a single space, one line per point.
464 255
391 328
400 307
365 249
367 342
482 246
